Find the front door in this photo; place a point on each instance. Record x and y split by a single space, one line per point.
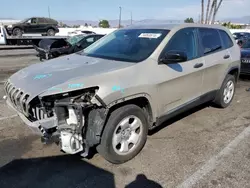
31 26
180 83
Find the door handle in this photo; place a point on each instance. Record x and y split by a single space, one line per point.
226 56
198 65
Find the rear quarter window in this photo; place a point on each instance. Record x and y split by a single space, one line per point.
227 41
210 40
51 21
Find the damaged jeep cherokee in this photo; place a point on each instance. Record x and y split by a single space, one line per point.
130 81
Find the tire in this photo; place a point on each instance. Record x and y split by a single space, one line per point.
220 99
109 149
17 32
51 32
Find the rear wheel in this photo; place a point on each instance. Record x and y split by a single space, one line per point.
124 135
226 92
51 32
17 32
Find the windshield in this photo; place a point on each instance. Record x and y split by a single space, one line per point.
246 44
25 20
75 39
132 45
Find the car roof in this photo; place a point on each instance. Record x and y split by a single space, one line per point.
173 26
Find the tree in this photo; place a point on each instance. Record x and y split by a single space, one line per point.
216 8
76 26
189 20
86 25
207 11
104 24
232 26
202 11
212 11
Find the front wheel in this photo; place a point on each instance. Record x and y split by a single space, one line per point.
226 92
124 135
17 32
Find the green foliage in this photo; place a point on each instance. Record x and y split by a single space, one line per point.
189 20
76 26
232 26
62 25
104 24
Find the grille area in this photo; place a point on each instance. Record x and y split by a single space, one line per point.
17 97
19 100
38 114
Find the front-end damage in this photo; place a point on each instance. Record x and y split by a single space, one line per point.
80 117
74 120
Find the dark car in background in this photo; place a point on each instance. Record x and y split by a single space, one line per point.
38 25
52 48
245 57
241 37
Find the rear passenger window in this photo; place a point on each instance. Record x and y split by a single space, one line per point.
184 40
210 40
42 20
228 43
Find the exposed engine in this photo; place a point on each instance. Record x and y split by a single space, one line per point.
79 120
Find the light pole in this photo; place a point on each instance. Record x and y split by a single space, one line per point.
120 16
131 18
49 11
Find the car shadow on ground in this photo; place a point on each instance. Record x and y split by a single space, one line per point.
65 171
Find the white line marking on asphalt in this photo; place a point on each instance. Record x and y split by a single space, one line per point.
214 161
8 117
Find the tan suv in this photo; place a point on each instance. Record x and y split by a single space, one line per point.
109 95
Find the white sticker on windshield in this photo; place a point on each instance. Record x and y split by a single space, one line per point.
150 35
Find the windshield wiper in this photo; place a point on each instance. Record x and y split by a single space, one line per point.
213 49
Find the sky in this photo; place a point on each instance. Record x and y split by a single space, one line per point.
109 9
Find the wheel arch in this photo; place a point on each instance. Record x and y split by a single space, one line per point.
235 71
142 100
17 27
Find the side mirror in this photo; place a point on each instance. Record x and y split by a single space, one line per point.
174 57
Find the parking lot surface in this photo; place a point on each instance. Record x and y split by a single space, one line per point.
205 147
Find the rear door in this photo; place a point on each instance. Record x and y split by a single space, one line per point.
41 25
217 58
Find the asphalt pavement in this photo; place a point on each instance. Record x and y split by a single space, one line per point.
205 147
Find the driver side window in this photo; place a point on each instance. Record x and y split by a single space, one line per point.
183 40
33 20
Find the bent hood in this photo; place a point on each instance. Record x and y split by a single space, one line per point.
39 77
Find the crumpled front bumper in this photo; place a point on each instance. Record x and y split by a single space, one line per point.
34 126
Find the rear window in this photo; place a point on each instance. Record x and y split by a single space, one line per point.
210 40
227 41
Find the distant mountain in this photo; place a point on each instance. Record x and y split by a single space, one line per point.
115 23
245 19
